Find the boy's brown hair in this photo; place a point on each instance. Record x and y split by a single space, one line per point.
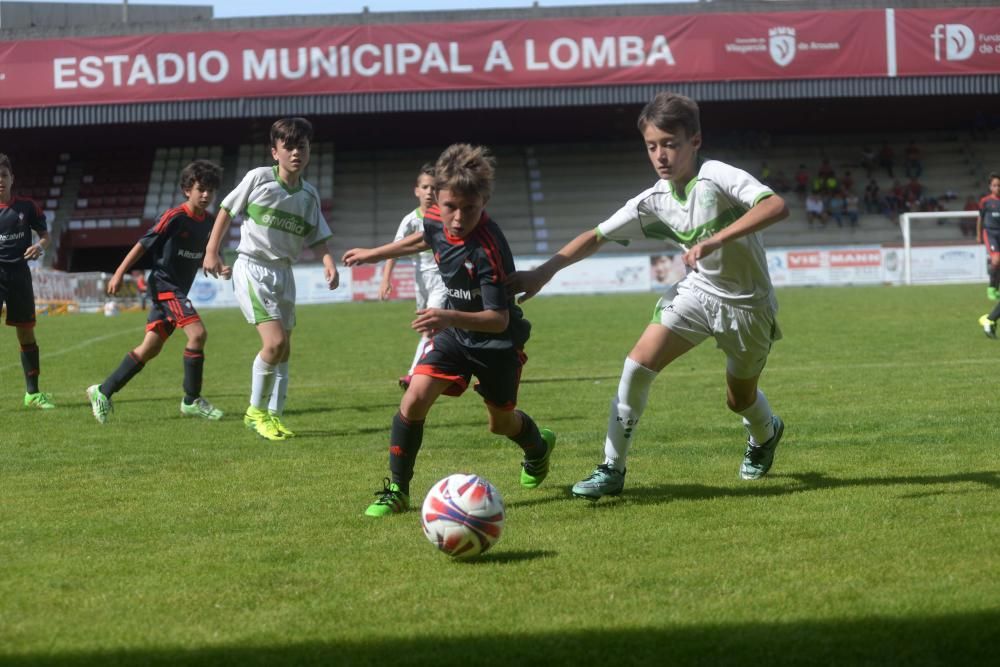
207 174
671 112
466 170
5 162
426 170
291 131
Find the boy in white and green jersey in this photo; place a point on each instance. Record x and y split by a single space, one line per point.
281 215
713 211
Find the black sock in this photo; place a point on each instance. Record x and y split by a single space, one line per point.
994 277
529 439
194 366
404 443
128 368
29 362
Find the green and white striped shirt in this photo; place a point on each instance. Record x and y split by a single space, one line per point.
718 196
278 220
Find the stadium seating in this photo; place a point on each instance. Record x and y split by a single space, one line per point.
545 194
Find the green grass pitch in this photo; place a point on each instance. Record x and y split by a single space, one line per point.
159 540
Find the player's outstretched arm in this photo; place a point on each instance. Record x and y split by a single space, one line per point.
764 214
213 260
385 289
115 283
529 283
410 245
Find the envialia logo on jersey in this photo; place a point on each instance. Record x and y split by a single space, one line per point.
781 44
284 223
959 41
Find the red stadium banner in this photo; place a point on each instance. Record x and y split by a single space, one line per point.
484 55
947 41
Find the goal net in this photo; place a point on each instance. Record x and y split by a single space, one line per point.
940 247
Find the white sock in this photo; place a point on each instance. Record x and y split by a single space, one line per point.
626 408
261 382
280 391
419 353
757 419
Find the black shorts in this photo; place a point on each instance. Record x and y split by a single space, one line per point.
17 293
169 311
991 237
498 371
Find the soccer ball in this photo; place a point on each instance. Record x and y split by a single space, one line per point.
463 515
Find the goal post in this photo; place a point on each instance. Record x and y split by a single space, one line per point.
906 221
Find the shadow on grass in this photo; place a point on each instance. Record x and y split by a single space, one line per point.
504 557
957 639
778 485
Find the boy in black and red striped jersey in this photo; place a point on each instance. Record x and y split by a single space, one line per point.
482 331
988 229
178 243
19 217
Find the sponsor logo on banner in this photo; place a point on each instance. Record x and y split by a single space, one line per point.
861 257
781 44
204 291
804 259
959 41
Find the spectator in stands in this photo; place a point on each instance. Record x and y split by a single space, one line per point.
262 273
867 160
779 182
815 208
430 289
836 207
896 199
914 163
140 287
873 204
913 195
802 181
20 219
847 181
887 159
830 185
177 243
825 169
765 173
852 208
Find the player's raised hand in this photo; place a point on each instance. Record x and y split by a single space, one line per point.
114 284
431 320
356 256
525 283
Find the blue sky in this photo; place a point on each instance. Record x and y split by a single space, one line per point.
234 8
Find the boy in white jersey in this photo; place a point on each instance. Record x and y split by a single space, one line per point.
712 211
282 214
431 292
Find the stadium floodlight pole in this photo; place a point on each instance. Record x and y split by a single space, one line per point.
904 226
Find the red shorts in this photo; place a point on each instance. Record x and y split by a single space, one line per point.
169 311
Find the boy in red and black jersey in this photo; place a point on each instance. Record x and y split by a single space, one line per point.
481 333
178 243
988 231
19 217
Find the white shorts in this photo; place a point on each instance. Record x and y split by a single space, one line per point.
745 334
431 292
265 292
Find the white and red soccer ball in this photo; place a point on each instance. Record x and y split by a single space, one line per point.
463 515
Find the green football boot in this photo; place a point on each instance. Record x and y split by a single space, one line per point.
758 458
533 473
39 400
989 326
390 500
100 404
201 408
260 423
